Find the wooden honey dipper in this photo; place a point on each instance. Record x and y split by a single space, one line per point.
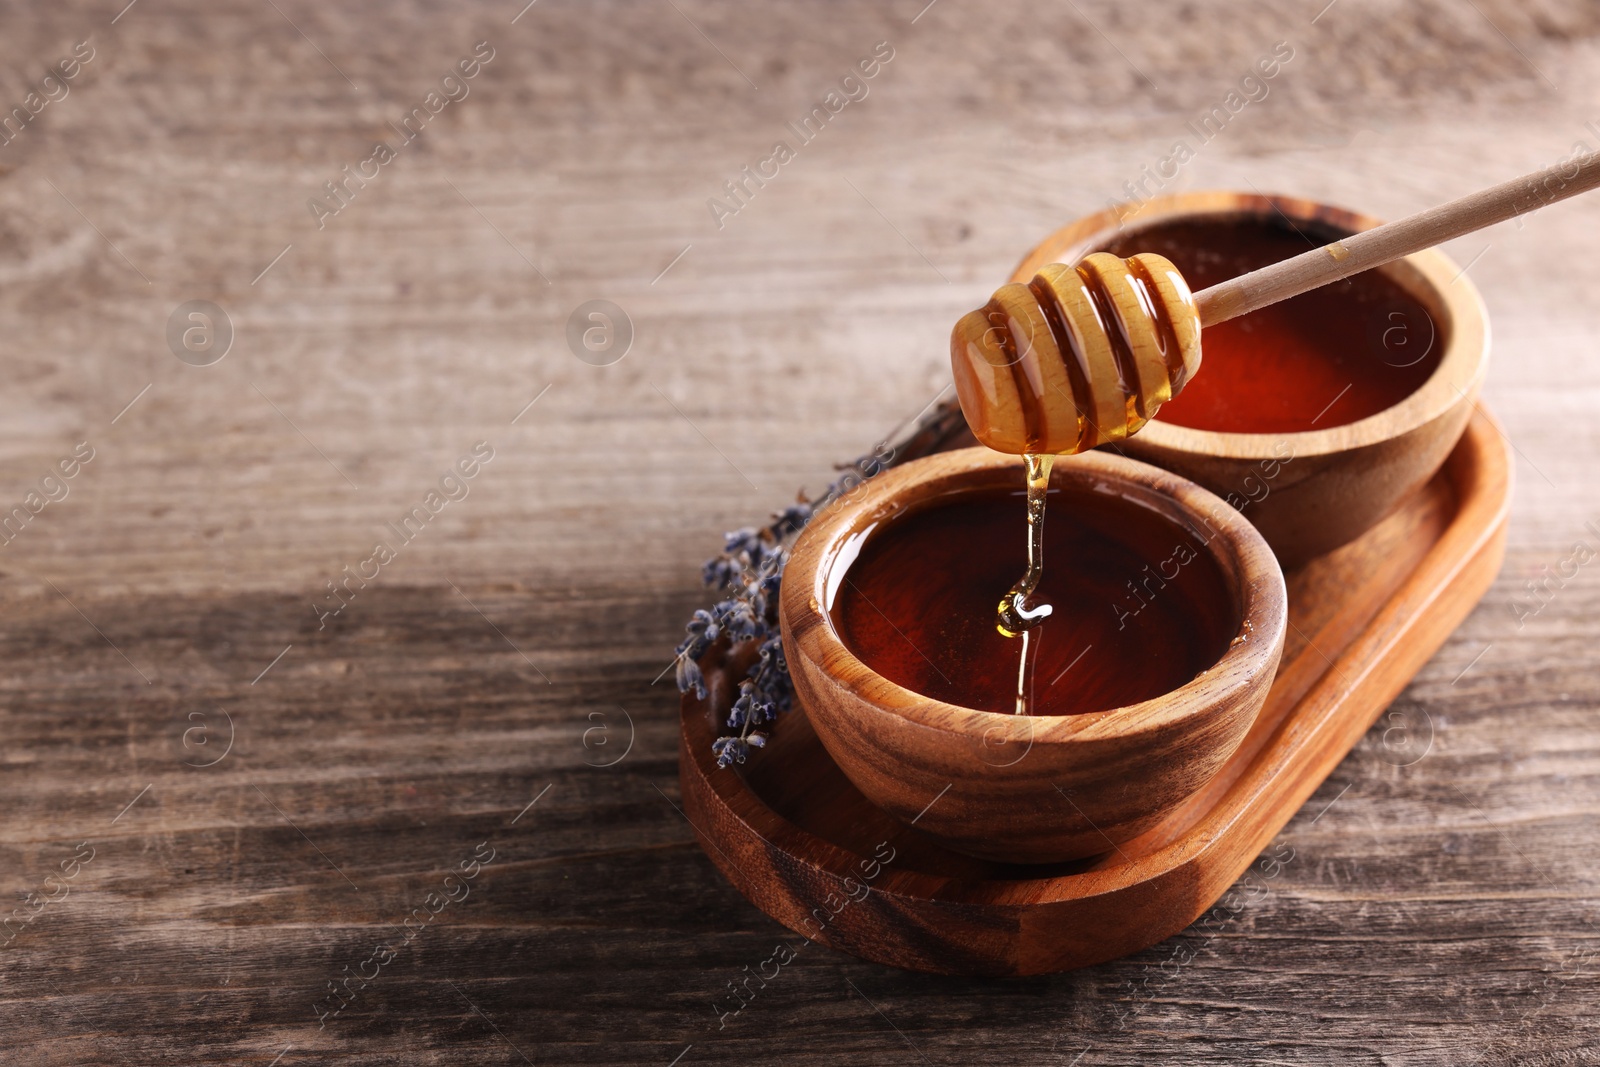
1083 355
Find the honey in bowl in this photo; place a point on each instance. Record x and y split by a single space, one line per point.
1325 358
1140 607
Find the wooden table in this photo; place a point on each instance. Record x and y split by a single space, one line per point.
221 800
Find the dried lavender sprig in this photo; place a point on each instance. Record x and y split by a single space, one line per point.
750 569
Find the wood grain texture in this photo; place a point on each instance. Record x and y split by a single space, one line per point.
1434 912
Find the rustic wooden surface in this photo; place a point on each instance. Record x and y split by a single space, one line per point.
1441 912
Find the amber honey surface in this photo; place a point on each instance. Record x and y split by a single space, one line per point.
1328 357
1138 607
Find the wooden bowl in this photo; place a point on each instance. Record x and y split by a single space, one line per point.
1338 481
1028 789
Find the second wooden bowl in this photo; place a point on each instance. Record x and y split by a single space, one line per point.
1312 491
1077 785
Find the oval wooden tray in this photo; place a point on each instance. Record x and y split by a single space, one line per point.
791 832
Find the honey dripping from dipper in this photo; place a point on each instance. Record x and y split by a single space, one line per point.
1017 616
1085 355
1078 357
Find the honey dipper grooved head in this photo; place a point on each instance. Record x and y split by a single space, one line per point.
1078 356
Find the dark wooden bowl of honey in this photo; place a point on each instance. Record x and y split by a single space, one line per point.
1168 623
1317 415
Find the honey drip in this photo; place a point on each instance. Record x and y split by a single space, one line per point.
1017 616
919 606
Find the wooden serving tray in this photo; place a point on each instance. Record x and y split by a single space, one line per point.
791 832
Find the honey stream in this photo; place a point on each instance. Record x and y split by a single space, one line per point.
1017 616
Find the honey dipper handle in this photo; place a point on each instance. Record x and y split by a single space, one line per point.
1393 240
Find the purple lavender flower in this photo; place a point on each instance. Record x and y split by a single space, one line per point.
747 540
750 573
721 572
690 677
740 619
739 714
731 750
790 520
